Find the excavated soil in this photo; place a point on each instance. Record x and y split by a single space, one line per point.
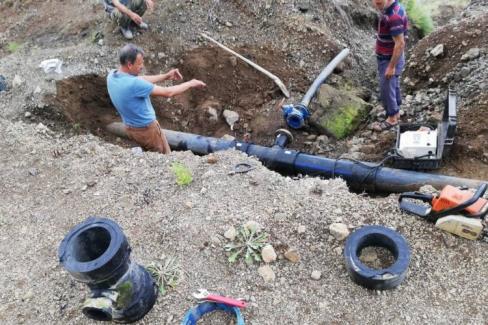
231 85
457 39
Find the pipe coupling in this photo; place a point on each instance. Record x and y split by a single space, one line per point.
295 115
97 253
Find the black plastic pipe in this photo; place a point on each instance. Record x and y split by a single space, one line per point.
360 176
96 252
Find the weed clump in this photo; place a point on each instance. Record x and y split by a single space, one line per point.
420 16
249 243
167 274
182 173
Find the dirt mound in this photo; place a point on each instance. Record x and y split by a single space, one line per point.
232 85
457 40
37 23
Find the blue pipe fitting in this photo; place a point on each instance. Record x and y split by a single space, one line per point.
194 314
295 115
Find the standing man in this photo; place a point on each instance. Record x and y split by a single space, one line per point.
130 93
128 14
390 45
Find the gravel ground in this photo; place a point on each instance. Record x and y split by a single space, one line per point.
51 183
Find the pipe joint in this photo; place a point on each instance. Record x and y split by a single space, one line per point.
97 253
283 138
295 115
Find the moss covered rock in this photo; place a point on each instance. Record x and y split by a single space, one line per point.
338 112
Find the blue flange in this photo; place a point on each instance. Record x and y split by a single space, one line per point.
295 115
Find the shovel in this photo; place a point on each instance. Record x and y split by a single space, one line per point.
276 80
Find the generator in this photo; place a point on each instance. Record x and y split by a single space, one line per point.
423 146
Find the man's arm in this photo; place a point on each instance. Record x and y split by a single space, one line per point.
397 53
126 11
173 74
178 89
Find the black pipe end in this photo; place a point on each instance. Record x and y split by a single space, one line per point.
93 249
97 314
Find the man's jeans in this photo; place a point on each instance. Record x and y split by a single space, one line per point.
137 6
390 95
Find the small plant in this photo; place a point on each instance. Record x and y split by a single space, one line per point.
13 47
77 127
167 274
248 243
182 173
420 16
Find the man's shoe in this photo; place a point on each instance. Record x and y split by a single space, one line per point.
127 33
144 26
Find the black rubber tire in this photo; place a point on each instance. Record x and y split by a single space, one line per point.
377 279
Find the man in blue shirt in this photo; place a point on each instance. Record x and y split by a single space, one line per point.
130 94
128 14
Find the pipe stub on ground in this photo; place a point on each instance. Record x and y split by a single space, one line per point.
377 279
95 251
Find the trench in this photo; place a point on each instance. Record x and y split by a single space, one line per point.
82 105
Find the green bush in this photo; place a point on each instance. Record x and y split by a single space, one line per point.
419 16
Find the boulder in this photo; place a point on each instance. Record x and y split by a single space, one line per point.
338 112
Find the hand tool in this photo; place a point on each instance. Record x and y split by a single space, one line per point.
204 295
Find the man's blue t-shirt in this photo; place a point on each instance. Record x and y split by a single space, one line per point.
130 96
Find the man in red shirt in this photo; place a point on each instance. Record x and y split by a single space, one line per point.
390 45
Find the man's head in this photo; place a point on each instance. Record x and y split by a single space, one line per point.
382 4
131 59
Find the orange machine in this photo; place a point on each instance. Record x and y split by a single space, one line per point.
450 201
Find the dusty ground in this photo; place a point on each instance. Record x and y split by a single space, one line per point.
54 175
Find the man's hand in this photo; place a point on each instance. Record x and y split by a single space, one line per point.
150 4
197 83
390 72
136 18
174 74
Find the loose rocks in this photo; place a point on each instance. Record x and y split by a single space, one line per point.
266 272
268 254
339 231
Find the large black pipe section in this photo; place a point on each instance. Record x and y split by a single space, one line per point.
360 176
96 252
295 115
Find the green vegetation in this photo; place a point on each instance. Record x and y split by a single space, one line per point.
420 16
13 47
344 120
167 274
182 173
249 243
